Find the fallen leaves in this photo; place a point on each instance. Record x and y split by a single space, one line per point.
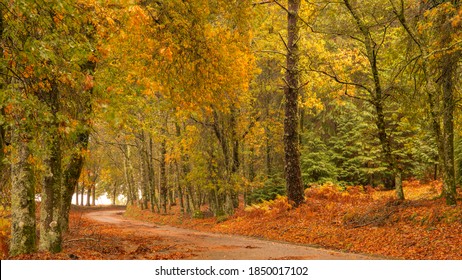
91 240
357 219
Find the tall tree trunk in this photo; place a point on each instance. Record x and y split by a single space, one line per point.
2 109
73 169
76 196
131 198
23 225
88 196
151 175
50 220
2 141
163 177
268 148
71 177
82 194
114 194
144 166
449 179
294 183
93 194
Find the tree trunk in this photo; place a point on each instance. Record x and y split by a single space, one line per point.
88 196
447 63
114 194
50 220
71 177
144 169
131 199
76 196
74 168
23 225
399 186
2 142
82 194
179 186
294 183
163 177
378 100
93 194
449 180
268 148
151 178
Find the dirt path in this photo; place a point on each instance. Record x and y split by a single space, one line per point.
214 246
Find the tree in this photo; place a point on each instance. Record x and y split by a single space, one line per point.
436 41
294 183
367 28
45 51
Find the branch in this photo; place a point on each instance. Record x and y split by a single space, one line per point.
251 125
403 22
356 97
280 5
338 80
286 82
270 51
262 3
383 37
200 122
285 44
443 49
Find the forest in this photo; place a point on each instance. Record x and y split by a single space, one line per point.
205 109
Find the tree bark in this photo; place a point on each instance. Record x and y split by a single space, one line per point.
449 179
151 175
82 194
128 174
93 194
88 196
163 177
23 225
294 183
76 198
114 194
73 169
50 220
144 172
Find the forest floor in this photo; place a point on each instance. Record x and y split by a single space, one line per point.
355 223
104 233
353 220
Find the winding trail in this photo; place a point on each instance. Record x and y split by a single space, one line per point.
213 246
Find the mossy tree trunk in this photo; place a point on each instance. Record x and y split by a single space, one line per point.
23 224
50 227
449 175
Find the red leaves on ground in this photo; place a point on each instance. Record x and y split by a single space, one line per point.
90 240
357 219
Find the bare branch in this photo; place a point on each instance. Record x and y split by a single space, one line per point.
285 44
338 80
280 5
262 3
270 51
